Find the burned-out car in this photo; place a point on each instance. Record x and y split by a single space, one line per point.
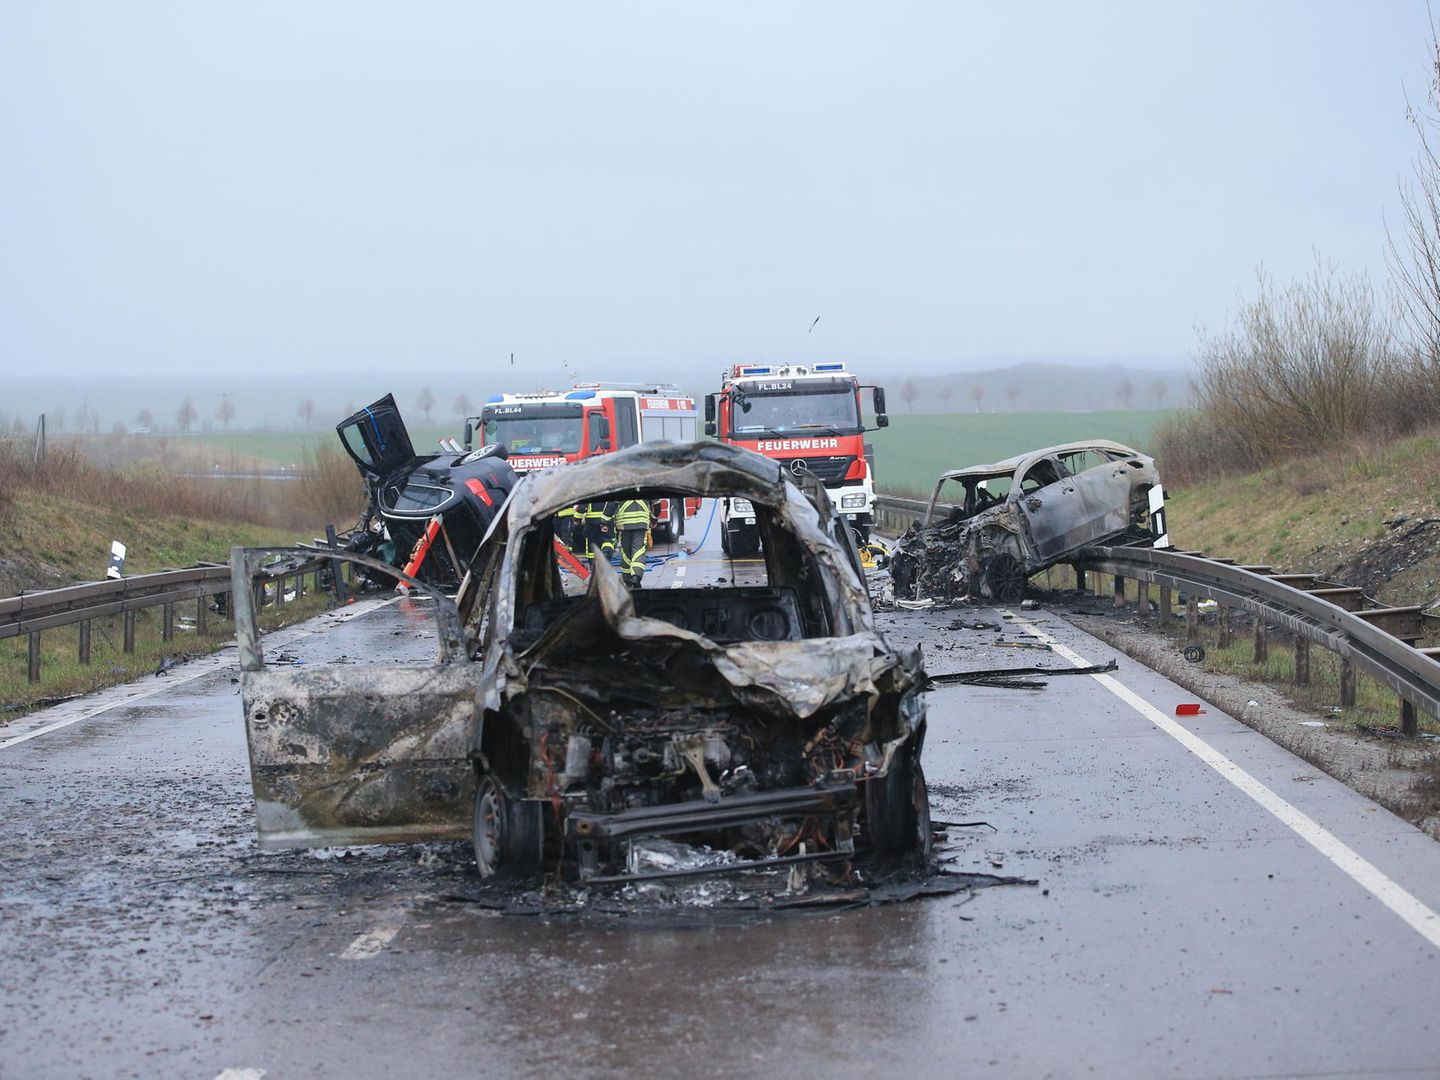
987 528
427 511
569 718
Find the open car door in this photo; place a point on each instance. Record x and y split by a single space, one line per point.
363 754
377 439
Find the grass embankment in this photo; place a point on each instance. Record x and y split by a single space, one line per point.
1356 514
58 518
914 450
63 542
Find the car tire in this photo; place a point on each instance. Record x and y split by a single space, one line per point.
506 833
897 810
488 834
1005 578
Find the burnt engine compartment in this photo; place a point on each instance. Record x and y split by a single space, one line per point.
656 756
728 777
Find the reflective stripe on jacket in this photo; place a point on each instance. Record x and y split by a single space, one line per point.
633 513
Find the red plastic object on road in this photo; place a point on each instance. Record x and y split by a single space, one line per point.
1189 709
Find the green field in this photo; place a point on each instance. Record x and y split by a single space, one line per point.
914 450
909 454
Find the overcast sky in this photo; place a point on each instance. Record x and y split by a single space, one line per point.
326 187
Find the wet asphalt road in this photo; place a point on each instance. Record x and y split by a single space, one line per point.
1178 928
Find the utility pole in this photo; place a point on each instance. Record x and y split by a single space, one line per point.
40 441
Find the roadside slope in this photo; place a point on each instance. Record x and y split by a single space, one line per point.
1367 516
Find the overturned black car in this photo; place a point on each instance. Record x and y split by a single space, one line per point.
429 512
568 718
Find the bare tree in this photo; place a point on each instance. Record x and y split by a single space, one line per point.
1012 395
462 406
186 415
946 392
977 393
908 393
1125 392
226 412
426 400
306 411
1415 258
145 418
1158 389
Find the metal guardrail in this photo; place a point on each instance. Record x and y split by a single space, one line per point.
894 515
31 613
1378 641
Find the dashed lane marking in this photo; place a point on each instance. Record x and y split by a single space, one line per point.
371 943
1422 919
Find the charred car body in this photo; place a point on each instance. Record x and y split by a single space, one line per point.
446 501
567 719
987 528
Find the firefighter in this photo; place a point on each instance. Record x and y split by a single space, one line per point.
567 528
632 519
599 518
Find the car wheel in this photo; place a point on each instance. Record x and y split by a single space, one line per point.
488 836
1005 578
897 810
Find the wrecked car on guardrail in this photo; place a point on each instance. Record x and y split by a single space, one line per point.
567 719
987 528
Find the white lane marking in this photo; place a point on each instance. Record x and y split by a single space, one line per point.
241 1074
369 944
679 582
216 663
1421 919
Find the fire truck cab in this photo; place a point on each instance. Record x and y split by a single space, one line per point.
552 427
808 417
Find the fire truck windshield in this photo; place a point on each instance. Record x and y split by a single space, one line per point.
828 411
535 428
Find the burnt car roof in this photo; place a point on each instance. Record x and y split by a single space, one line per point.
1025 460
700 468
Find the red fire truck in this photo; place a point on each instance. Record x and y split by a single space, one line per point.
808 418
555 426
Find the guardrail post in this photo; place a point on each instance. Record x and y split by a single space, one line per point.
1262 642
84 641
1302 661
1165 613
1079 577
1192 619
34 669
280 591
1409 722
1227 634
1099 589
202 614
1119 591
337 569
1347 684
129 635
1142 599
167 621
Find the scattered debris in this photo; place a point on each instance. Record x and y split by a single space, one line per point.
1013 678
1189 709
